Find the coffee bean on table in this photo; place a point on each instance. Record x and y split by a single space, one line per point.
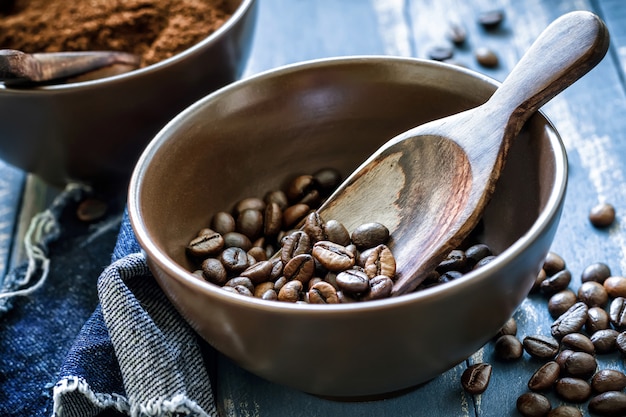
565 411
597 319
541 276
560 302
510 327
578 364
456 33
605 341
486 57
532 404
553 263
615 286
602 215
620 342
545 377
508 348
608 380
440 52
571 321
475 379
578 342
593 294
491 19
610 403
617 312
597 272
541 346
575 390
556 282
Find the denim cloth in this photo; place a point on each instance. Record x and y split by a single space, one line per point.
134 355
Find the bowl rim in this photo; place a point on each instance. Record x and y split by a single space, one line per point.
241 10
154 254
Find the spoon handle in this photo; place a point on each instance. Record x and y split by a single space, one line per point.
566 50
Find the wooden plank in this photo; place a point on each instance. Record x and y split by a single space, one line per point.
589 117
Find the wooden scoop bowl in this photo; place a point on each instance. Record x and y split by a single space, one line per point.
430 185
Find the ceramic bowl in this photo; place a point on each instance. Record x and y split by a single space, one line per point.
249 137
94 131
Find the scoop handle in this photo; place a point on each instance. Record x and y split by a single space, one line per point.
566 50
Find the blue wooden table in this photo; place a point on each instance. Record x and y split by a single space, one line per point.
590 116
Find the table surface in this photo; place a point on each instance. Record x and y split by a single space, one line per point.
590 117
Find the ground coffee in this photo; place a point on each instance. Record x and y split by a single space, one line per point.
153 29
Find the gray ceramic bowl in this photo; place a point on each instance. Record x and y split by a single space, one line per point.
94 131
248 137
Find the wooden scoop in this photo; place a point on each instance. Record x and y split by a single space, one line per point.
430 185
19 68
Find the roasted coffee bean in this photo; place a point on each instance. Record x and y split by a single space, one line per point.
593 294
353 281
555 283
608 380
486 57
380 262
620 342
571 321
238 289
299 187
91 209
213 271
617 313
259 272
565 411
314 226
553 263
336 232
265 290
277 197
541 346
235 260
300 267
272 219
440 52
510 328
207 244
597 272
615 286
295 244
605 341
449 276
250 203
258 253
313 281
292 215
326 180
484 261
380 287
291 292
597 319
332 256
560 302
456 33
541 276
508 348
602 215
323 293
545 377
532 404
491 19
610 403
475 253
455 261
575 390
369 235
579 364
280 282
240 281
223 222
475 378
578 342
237 240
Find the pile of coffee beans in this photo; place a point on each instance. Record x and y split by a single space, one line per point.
588 323
279 248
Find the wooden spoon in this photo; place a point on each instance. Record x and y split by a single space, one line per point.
19 68
430 185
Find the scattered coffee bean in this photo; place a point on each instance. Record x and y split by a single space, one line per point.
440 52
597 319
608 380
508 348
578 364
597 272
571 321
475 379
556 282
541 346
486 57
565 411
510 328
620 342
545 377
615 286
593 294
541 276
553 263
602 215
617 313
605 341
560 302
610 403
532 404
456 33
575 390
491 19
578 342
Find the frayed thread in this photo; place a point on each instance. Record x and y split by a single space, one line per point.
65 404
